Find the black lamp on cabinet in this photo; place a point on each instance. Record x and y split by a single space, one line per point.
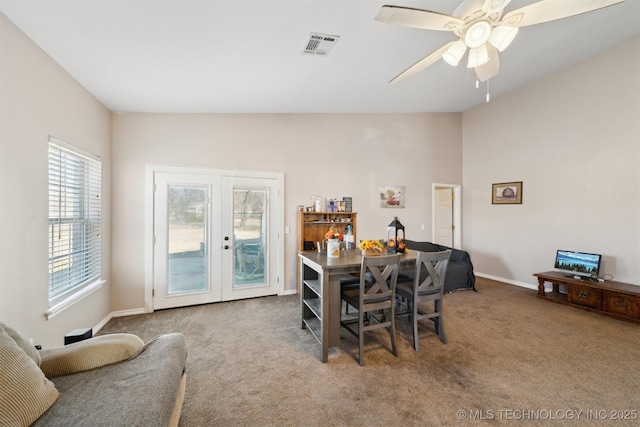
393 237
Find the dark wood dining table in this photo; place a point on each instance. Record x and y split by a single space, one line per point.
320 291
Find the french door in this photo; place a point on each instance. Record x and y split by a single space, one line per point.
215 238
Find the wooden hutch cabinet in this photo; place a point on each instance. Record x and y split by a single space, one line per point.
312 226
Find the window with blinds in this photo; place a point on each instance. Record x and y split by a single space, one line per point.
74 218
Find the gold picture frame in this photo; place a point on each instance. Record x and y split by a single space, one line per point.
507 193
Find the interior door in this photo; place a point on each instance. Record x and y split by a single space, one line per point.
215 238
444 217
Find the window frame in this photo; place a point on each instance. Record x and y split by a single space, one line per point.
74 204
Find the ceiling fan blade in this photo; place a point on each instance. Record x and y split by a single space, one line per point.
422 64
418 18
551 10
490 68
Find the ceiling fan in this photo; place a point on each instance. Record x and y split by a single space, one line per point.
481 29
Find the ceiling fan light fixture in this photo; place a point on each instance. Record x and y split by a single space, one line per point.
453 55
502 36
478 56
481 26
477 34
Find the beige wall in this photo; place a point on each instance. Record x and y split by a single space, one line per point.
40 99
326 154
574 140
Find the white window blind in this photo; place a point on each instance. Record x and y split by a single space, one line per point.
74 218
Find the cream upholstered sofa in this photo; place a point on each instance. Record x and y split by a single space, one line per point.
109 380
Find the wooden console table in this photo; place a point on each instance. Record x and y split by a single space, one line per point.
615 299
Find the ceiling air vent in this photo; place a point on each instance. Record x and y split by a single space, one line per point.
320 44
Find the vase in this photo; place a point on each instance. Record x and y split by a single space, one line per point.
333 248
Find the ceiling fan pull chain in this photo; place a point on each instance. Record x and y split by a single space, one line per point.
488 95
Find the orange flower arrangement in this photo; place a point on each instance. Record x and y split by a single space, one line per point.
333 233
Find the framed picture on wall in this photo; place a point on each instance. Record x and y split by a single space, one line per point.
392 196
507 193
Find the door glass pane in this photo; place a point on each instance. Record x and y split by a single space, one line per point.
186 241
249 232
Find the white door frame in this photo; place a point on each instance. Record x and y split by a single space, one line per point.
457 212
152 169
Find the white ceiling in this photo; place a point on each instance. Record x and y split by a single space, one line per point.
245 56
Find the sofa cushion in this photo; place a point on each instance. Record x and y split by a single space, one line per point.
25 393
23 342
89 354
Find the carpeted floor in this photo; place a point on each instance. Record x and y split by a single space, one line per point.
511 359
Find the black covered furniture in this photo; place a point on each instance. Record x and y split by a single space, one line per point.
459 271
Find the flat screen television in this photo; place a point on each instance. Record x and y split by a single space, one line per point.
578 264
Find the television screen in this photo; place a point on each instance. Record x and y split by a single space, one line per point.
578 263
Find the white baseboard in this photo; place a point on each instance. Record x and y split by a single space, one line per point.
509 281
137 311
120 313
132 312
103 322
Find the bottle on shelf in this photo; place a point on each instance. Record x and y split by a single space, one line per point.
349 238
316 203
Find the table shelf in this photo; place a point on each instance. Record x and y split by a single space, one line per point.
315 305
315 326
311 297
315 286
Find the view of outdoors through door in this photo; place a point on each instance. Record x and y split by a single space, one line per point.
215 238
187 229
250 233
